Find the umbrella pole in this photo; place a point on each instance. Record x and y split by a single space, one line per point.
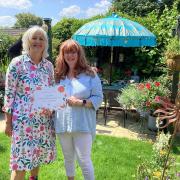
110 73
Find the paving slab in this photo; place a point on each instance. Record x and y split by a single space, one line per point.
2 122
114 127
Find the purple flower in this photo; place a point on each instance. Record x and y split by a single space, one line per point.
178 174
146 178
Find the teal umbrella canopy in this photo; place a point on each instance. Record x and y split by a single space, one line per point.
114 31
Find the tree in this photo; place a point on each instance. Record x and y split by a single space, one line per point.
135 7
141 7
65 28
25 20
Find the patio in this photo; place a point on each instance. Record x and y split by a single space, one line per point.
134 128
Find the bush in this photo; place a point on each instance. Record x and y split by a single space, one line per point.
1 99
173 48
153 169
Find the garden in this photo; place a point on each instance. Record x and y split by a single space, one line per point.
154 94
113 158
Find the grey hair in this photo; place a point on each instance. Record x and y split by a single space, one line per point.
28 36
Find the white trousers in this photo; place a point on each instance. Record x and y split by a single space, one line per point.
77 145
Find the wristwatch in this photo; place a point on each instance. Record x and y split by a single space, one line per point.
84 102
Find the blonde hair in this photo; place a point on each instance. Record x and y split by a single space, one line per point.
81 66
28 36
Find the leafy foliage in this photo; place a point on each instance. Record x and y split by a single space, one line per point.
55 47
129 96
153 169
5 43
173 48
144 96
25 20
1 99
65 28
141 7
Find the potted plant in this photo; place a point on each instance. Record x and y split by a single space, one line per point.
128 97
144 96
172 54
152 92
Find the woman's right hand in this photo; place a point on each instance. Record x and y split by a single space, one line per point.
8 129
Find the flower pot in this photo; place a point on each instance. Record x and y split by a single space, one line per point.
174 63
143 114
152 123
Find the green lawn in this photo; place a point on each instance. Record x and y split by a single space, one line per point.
113 158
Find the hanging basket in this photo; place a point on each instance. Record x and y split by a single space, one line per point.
174 63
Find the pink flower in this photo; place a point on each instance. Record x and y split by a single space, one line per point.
41 128
28 129
32 68
14 118
32 75
148 103
27 88
140 86
38 88
51 157
157 98
32 99
14 167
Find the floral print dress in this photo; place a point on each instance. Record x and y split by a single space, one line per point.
33 136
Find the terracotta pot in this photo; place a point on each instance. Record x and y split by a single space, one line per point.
174 63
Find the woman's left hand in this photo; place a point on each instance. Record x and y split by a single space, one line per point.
73 101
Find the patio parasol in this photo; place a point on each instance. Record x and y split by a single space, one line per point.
114 31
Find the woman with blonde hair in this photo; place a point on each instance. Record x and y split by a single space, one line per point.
76 124
32 133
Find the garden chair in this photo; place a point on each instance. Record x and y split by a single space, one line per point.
103 107
112 104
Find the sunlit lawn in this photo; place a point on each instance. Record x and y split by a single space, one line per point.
113 158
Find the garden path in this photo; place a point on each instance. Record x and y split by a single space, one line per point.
133 129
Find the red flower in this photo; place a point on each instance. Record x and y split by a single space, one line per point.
61 89
148 85
157 84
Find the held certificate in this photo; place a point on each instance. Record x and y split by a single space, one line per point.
52 98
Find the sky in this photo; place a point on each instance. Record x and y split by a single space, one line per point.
54 9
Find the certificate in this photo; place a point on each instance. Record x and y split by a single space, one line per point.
52 98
